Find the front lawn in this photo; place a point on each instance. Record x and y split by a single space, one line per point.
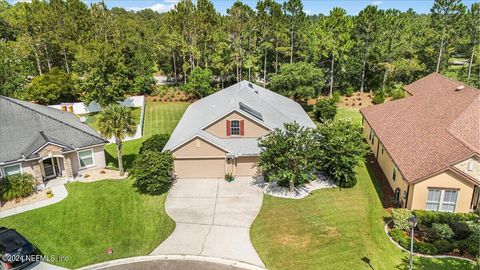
333 229
91 118
94 217
349 113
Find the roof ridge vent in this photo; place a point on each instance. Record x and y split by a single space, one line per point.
250 85
460 87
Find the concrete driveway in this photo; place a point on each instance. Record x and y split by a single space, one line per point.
213 219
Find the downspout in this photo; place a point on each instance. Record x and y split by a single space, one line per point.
378 145
408 193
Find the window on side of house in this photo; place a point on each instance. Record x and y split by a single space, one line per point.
85 158
12 169
394 174
433 199
235 127
441 200
449 200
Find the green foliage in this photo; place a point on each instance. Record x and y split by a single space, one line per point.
471 245
325 109
229 177
52 88
378 97
300 81
17 186
400 237
430 217
348 91
153 172
400 218
200 83
461 230
425 248
443 246
289 154
155 143
398 94
336 97
443 230
341 149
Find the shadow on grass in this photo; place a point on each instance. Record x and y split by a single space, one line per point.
367 261
113 161
373 176
421 263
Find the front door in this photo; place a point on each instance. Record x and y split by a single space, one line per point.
50 167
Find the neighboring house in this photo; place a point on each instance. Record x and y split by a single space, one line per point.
428 144
219 133
46 142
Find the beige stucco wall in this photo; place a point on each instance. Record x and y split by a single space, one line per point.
198 148
446 180
251 128
98 157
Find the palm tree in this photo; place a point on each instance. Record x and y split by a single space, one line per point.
117 121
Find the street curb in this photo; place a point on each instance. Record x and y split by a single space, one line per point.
227 262
385 228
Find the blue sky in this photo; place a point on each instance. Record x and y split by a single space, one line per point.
310 6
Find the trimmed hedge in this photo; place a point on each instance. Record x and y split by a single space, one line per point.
429 217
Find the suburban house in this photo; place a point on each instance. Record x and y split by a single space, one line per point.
219 134
46 142
428 144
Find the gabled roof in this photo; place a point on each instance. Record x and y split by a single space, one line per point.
25 127
262 106
430 131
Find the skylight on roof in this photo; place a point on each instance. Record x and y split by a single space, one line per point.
250 111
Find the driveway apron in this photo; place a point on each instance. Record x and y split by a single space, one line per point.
213 219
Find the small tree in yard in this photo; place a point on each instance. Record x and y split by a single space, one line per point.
200 83
117 121
288 155
153 172
325 109
154 143
17 186
341 149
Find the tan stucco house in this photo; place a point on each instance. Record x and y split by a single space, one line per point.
219 134
428 144
46 142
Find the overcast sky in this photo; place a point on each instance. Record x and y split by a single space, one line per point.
310 6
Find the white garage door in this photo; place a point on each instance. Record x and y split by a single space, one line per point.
200 168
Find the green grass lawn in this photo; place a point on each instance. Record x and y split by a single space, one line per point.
349 113
334 229
94 217
91 118
160 117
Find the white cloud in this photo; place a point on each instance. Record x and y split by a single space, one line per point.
376 3
171 1
159 7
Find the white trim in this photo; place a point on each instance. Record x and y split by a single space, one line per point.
80 167
193 137
3 174
441 199
47 143
262 123
239 128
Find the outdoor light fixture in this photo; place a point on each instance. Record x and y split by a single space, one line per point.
413 222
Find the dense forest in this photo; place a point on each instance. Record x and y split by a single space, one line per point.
63 50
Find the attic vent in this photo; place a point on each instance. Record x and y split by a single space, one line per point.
470 166
460 87
250 111
250 85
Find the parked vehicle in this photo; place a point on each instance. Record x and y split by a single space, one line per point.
15 250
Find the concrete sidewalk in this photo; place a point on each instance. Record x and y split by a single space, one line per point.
213 219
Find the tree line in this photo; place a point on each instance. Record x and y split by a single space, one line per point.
61 50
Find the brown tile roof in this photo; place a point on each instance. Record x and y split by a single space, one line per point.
431 130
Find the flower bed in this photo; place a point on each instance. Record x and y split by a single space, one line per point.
438 233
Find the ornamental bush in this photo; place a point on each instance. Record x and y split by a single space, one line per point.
470 245
17 186
461 230
153 172
430 217
325 109
443 246
425 248
378 97
400 218
155 143
400 237
443 230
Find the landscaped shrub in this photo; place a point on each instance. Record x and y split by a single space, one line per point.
443 230
153 172
430 217
425 248
349 91
461 230
155 143
336 97
325 109
443 246
400 218
17 186
398 94
378 97
471 245
400 237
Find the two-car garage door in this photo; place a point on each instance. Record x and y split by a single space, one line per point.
200 168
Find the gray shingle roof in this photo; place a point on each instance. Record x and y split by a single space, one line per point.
275 110
25 126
